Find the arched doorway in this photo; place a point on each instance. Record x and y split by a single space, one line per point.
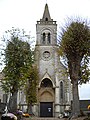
46 98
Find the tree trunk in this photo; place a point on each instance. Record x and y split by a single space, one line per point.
75 104
74 68
30 109
12 106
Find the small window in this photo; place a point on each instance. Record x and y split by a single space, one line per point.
49 38
46 19
61 90
44 36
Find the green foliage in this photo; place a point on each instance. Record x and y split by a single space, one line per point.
19 72
31 85
75 46
18 58
75 39
84 74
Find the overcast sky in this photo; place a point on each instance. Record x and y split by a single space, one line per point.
23 14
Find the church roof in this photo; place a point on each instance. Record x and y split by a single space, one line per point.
46 14
46 19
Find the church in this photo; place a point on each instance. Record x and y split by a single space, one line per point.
54 92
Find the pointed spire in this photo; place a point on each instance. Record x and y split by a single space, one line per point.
46 19
46 14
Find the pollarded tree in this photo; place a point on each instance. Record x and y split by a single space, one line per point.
17 59
75 47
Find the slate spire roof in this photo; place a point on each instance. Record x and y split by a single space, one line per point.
46 14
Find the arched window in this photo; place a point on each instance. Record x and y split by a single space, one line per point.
61 90
46 83
49 38
44 37
46 19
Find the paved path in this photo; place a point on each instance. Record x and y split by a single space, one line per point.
39 118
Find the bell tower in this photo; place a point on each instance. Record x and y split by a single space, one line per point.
46 29
49 66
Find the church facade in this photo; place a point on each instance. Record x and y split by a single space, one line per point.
54 92
54 89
